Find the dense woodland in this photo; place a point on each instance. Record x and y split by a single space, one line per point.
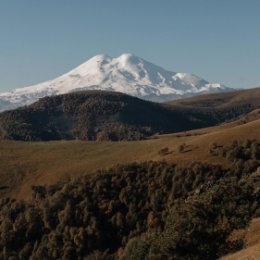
237 152
152 211
97 115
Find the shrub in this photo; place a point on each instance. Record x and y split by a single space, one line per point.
164 151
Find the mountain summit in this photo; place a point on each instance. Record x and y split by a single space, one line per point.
127 74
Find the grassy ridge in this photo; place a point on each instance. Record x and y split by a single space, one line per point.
222 100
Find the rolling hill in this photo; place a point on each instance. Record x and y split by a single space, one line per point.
94 115
239 98
55 182
24 164
102 115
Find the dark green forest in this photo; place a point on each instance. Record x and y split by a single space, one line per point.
150 210
97 115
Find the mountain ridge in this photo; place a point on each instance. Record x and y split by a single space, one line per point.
127 73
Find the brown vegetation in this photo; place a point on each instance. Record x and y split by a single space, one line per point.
24 164
221 100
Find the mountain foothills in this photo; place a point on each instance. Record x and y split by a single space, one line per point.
103 115
182 183
127 73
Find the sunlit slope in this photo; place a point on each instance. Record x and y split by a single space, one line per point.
24 164
221 100
252 249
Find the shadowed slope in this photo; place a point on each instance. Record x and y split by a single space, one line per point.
101 115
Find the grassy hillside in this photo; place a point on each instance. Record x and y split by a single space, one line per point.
252 238
24 164
150 210
135 210
238 98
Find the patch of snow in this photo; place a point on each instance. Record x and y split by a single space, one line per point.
127 74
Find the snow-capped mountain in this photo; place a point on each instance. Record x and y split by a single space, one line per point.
127 74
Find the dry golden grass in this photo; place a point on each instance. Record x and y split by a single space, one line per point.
245 96
250 253
252 250
25 164
33 163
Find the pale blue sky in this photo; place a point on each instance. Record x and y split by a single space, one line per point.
218 40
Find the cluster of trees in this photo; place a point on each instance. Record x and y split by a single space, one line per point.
246 150
230 113
152 210
85 116
199 227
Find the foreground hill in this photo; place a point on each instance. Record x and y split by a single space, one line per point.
24 164
150 210
127 73
102 115
78 207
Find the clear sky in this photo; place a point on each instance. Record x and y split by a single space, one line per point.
218 40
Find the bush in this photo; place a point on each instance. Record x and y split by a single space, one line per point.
181 148
164 151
